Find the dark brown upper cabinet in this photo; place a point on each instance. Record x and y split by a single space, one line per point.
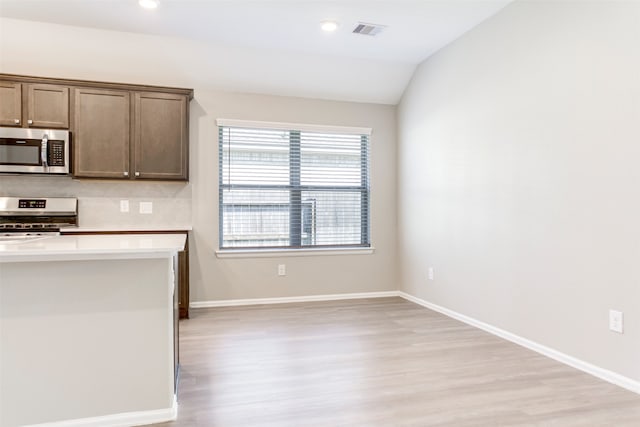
10 104
47 106
160 132
101 133
34 105
118 130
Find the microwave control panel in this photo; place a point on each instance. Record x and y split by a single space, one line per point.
56 153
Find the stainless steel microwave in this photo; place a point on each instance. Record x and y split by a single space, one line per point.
38 151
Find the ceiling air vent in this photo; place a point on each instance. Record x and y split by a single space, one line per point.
368 29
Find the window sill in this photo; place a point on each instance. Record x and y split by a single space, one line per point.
274 253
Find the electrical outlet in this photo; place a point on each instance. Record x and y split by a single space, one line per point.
616 321
124 206
430 273
282 270
146 207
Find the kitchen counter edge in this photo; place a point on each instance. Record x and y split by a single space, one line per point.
120 229
94 247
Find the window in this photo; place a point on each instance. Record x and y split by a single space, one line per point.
293 186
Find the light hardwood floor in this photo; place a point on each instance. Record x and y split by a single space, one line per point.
376 362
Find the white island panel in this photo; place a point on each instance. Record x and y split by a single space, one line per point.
88 341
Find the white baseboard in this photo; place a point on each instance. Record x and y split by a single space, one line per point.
126 419
596 371
281 300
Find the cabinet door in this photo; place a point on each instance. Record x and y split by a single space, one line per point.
161 136
101 133
10 104
48 106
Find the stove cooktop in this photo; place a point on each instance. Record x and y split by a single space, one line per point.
37 215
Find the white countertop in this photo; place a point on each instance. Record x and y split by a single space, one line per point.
82 247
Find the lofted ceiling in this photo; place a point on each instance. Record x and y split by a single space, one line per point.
414 30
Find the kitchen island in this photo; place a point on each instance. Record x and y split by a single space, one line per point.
88 330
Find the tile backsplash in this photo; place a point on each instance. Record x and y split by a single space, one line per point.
99 201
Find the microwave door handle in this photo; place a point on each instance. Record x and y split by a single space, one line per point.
43 151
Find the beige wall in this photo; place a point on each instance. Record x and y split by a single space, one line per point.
519 178
81 53
257 278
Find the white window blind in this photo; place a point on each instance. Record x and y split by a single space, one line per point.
293 187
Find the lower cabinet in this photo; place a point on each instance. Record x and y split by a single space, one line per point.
183 281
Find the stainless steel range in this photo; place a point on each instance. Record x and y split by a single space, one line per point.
37 216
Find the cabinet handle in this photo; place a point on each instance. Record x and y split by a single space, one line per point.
137 173
17 121
125 173
29 122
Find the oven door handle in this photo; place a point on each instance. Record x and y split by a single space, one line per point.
43 151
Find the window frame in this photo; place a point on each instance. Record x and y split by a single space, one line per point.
295 189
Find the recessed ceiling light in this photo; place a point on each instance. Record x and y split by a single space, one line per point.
329 26
148 4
